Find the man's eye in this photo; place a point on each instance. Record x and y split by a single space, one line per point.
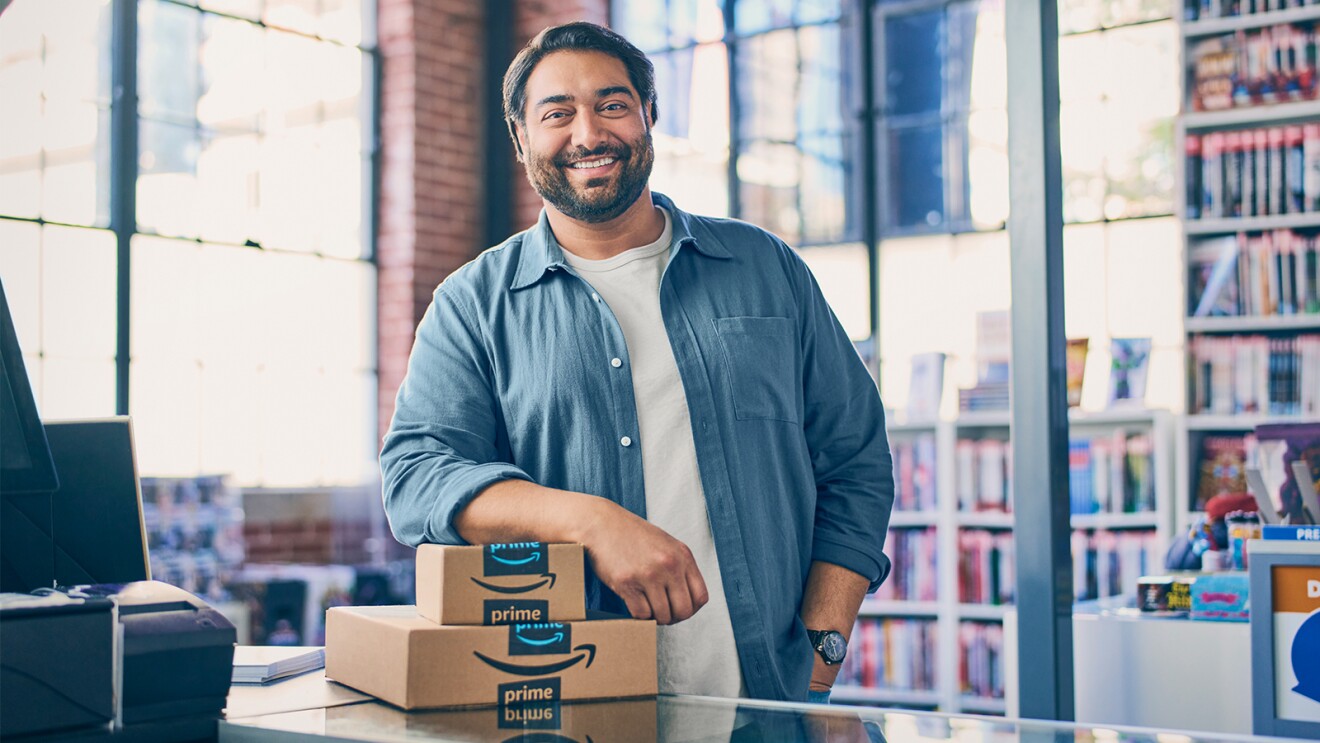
615 107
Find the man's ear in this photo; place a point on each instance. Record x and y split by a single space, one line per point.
516 135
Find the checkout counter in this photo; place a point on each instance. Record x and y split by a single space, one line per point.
312 709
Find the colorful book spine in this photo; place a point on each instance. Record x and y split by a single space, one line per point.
984 475
986 567
915 576
1113 473
1256 172
1234 374
981 659
1108 563
897 654
914 473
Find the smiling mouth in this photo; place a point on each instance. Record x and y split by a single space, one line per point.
596 164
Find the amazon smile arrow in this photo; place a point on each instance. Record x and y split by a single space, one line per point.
544 669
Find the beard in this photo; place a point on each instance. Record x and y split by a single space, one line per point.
598 199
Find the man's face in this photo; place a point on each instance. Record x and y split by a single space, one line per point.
587 138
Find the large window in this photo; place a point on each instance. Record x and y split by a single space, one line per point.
252 287
939 196
753 117
942 124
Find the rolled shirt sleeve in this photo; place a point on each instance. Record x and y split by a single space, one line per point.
445 444
845 431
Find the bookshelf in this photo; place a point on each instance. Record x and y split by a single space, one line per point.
1249 203
946 613
1215 26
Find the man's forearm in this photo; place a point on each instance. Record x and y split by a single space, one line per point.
522 511
830 601
655 574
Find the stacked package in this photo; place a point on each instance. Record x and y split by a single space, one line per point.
495 625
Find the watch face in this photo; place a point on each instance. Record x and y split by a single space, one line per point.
833 647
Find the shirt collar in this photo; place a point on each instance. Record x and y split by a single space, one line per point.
541 253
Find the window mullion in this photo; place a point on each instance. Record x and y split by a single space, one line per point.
123 178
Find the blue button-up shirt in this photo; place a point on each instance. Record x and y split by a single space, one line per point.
510 377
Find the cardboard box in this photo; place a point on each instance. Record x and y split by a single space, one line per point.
526 582
396 655
568 722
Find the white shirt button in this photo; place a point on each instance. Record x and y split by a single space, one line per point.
595 296
625 441
616 363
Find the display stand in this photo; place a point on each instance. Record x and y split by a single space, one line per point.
1285 638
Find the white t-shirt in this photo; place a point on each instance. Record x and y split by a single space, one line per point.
696 656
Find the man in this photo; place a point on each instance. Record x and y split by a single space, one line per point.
670 391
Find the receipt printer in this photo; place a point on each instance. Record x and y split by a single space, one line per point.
56 664
178 652
112 656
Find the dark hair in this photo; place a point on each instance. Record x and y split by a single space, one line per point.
576 36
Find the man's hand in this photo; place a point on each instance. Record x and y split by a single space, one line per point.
651 571
654 573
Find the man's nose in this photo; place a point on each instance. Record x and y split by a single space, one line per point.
588 132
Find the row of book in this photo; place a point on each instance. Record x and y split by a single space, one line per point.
891 654
985 567
1111 474
1257 67
915 576
1196 10
1255 374
1261 274
981 659
1253 172
984 475
984 396
914 473
1107 563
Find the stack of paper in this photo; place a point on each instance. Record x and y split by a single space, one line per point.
258 665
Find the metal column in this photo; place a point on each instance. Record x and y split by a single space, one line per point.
1040 412
123 177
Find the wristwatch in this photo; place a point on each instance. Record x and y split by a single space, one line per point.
831 645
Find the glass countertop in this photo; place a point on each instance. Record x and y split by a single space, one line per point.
678 719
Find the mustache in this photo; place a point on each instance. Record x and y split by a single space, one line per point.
619 152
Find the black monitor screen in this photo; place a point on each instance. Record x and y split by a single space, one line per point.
25 461
99 534
27 473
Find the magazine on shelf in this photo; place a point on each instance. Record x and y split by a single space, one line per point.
1222 466
926 387
1128 367
1076 369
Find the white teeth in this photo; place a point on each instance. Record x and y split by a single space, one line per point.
593 163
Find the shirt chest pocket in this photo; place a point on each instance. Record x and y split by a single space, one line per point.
761 353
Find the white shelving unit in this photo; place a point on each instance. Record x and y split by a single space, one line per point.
896 697
947 612
1193 427
1216 26
875 608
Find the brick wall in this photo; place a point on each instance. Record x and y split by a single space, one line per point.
433 135
531 17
